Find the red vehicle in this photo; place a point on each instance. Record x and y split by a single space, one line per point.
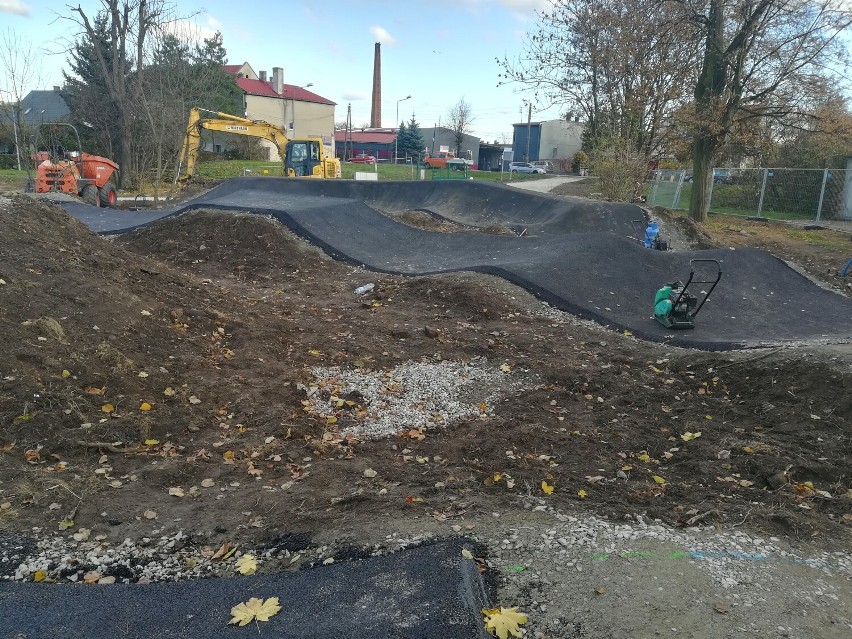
363 158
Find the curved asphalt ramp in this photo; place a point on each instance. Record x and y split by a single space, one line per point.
577 256
430 592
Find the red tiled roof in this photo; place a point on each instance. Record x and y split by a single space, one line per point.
233 68
259 87
366 137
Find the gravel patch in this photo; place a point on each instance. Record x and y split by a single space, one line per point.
412 395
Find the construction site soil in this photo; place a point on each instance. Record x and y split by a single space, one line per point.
215 374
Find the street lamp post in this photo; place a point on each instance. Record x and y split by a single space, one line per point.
293 100
396 139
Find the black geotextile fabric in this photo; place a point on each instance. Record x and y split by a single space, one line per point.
430 592
591 269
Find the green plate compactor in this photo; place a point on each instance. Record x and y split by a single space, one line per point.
675 307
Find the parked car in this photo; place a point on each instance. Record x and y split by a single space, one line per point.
547 165
720 176
525 167
363 158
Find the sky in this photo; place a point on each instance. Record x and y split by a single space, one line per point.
436 51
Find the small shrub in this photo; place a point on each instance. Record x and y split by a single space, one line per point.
580 159
619 169
8 161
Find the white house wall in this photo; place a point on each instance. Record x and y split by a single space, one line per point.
560 139
312 119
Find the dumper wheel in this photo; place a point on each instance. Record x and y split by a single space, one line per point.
90 195
107 195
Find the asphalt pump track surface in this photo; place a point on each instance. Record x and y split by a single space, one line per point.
578 255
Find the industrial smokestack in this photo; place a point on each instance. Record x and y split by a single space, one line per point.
376 113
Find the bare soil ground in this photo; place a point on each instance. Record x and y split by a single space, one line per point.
215 353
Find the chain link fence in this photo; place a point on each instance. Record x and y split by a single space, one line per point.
781 194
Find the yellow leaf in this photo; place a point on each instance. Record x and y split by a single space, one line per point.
546 488
254 609
748 450
39 575
169 392
467 554
152 442
246 565
497 477
314 352
228 456
627 333
66 373
688 437
658 479
644 457
176 491
107 408
331 420
627 468
144 406
505 368
504 621
582 493
708 417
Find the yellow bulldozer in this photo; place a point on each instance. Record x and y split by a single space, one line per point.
303 157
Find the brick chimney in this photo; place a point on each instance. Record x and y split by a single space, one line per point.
278 80
376 113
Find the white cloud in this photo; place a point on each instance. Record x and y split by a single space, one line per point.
354 95
14 6
381 35
190 30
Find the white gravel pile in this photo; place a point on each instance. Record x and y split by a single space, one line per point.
414 394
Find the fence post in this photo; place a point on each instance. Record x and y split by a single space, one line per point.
762 191
676 195
821 194
656 186
712 184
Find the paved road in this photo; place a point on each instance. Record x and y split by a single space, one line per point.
430 592
574 254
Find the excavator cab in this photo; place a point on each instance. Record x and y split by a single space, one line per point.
302 157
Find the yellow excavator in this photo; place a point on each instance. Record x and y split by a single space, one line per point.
300 158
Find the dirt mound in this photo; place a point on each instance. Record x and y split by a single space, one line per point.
248 247
136 367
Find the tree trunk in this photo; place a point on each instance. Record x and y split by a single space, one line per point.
708 91
702 176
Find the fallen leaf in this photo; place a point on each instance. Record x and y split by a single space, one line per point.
66 373
254 609
504 621
246 565
688 437
505 368
467 554
150 514
582 493
370 473
144 406
146 313
645 457
107 408
546 488
721 607
600 590
314 352
39 575
194 400
143 374
176 491
94 390
169 392
152 442
658 479
208 483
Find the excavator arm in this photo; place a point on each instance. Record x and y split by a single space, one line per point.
300 158
225 123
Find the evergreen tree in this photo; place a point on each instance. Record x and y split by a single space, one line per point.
411 139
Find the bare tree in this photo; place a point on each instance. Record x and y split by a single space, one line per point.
623 64
460 122
761 60
19 72
129 23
